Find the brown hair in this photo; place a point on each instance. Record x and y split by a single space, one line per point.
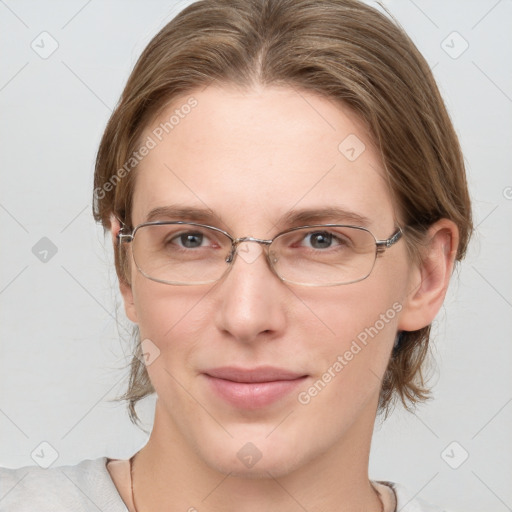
341 49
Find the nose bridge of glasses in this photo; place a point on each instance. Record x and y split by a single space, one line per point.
247 251
238 241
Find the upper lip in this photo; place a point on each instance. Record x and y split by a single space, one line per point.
259 374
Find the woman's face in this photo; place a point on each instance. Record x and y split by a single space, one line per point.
250 160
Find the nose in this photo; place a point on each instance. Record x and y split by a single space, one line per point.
252 299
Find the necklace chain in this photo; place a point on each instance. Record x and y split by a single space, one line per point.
133 494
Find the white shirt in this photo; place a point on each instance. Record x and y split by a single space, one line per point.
89 487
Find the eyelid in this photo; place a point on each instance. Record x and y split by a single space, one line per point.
210 235
300 235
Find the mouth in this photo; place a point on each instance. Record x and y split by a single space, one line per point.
252 388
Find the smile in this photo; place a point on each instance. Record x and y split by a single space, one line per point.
252 388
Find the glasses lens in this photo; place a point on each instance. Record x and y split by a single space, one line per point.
180 253
324 255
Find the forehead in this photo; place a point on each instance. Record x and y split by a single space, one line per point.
253 156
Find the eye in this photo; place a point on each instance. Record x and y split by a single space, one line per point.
321 240
189 240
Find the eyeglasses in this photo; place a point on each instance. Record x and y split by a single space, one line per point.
186 253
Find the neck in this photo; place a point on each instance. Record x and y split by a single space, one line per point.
168 475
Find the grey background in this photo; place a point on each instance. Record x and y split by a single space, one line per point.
61 356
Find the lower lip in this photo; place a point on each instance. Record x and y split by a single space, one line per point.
252 395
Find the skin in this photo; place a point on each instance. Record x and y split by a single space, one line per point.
251 157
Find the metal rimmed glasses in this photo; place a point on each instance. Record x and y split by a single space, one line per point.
188 253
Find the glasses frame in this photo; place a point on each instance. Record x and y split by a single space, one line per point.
125 235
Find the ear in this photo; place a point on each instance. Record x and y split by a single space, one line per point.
124 286
429 279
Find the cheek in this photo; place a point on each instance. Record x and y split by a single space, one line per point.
361 311
359 325
171 321
162 308
171 317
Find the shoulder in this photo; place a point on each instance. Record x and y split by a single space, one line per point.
406 501
83 487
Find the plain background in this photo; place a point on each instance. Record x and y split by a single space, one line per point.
62 359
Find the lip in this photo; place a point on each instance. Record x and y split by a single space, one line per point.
252 388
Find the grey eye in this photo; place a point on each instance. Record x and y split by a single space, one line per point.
320 239
191 240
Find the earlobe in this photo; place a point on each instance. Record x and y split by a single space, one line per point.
124 286
431 277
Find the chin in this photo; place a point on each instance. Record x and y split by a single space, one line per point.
254 456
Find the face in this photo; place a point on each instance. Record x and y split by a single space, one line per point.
253 159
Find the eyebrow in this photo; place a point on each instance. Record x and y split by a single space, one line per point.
176 212
330 215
